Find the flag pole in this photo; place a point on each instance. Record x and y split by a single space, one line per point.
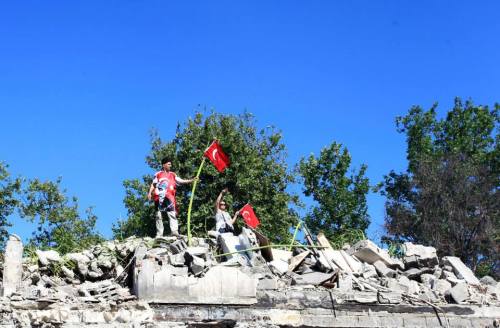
191 200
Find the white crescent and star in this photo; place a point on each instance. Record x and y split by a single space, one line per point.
214 152
245 214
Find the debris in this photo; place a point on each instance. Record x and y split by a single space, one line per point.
461 270
366 251
12 266
418 256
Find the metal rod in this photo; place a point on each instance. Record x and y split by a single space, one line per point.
295 235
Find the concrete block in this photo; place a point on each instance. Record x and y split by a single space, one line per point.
369 271
267 284
177 246
389 297
279 254
279 265
332 255
144 282
383 270
197 250
345 282
313 278
419 256
12 266
487 280
441 286
461 270
459 293
297 260
366 251
355 265
427 280
396 286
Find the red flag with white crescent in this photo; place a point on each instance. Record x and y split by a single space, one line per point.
218 158
249 216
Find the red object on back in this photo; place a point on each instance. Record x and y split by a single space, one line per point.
217 156
249 216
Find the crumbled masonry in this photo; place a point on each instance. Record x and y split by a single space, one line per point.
163 282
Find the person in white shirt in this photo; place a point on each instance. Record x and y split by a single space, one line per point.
223 221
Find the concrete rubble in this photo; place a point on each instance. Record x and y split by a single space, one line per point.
165 282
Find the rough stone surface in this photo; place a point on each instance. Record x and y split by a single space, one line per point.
12 266
462 271
202 289
368 252
383 270
487 280
459 293
419 256
441 286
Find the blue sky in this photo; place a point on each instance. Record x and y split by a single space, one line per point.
82 83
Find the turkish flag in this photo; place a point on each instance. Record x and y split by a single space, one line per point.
249 216
217 156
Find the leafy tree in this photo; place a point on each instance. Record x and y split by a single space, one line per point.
59 224
449 195
341 209
258 174
8 201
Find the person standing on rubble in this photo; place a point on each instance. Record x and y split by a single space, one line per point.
223 221
162 190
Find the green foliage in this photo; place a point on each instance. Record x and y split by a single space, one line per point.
59 224
8 201
258 174
394 247
347 236
341 210
449 196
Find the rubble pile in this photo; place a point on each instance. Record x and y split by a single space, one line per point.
117 280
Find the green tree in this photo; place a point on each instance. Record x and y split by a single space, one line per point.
59 224
448 197
258 174
339 193
8 201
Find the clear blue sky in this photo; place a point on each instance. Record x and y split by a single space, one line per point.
81 83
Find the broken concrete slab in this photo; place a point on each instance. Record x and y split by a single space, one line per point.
415 273
418 256
12 265
332 255
47 257
366 251
345 282
459 293
197 265
297 260
461 270
383 270
280 254
389 297
396 286
178 246
487 280
279 266
267 284
427 280
442 286
355 264
313 278
369 271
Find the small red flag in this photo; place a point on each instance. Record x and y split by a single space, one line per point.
217 156
249 216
